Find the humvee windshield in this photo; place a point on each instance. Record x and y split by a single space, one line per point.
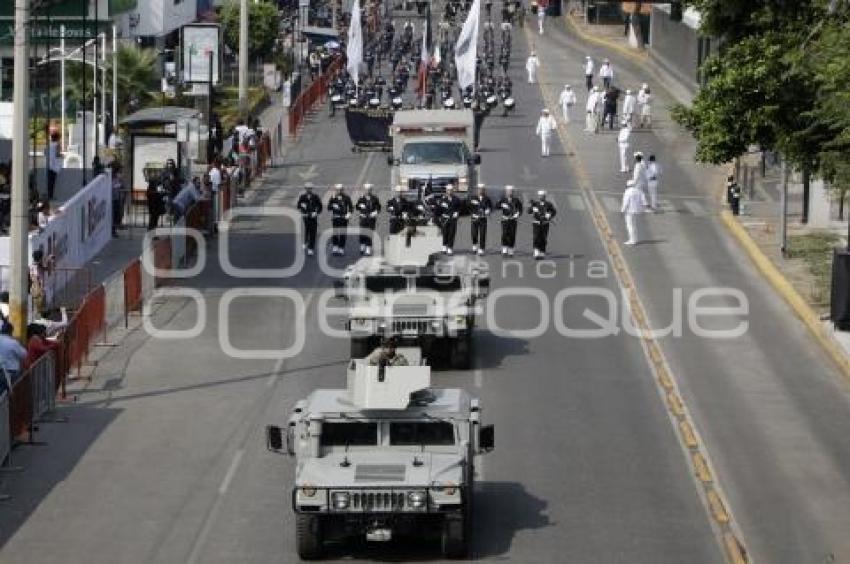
435 433
380 284
439 283
349 434
434 153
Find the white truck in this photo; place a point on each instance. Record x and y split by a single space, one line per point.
436 147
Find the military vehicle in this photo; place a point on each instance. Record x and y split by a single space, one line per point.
387 456
433 147
417 295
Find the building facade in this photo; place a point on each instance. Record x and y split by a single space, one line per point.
677 45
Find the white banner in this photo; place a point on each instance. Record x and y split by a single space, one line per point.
77 231
199 42
354 49
466 49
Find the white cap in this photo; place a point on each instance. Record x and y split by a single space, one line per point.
338 186
630 183
449 187
367 186
541 192
308 185
645 86
628 91
567 86
638 154
606 60
481 185
587 57
544 111
509 188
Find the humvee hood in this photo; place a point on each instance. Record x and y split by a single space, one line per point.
382 469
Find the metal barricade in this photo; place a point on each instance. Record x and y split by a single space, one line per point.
20 408
43 380
5 431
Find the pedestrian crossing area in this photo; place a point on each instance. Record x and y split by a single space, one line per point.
572 200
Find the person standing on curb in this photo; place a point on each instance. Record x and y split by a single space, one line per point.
546 126
733 195
368 206
542 212
606 73
567 99
653 178
588 72
480 207
634 203
54 164
531 65
511 207
310 206
623 140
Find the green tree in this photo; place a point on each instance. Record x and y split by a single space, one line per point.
263 26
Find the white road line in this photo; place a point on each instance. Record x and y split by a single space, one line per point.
611 203
695 208
576 202
234 464
667 206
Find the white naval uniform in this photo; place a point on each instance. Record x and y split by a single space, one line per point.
629 103
645 102
653 172
592 98
606 71
541 15
567 100
639 177
546 126
623 143
634 202
531 66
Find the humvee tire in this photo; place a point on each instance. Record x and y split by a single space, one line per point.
460 353
360 347
454 541
308 536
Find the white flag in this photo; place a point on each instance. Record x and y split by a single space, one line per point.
437 58
466 49
354 49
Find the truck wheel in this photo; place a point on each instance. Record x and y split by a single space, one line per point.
360 347
308 536
461 353
454 542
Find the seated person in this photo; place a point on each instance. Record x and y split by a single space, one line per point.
386 355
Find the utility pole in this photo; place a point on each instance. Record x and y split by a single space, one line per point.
19 287
62 87
114 78
783 246
243 56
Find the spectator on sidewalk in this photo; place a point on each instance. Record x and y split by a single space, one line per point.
629 106
588 72
653 173
567 100
606 73
541 17
215 191
44 214
634 203
186 198
155 201
39 268
54 164
117 198
12 355
733 195
38 344
531 65
640 177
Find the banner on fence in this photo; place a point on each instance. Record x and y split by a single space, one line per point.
77 232
369 127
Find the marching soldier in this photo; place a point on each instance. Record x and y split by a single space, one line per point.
733 195
310 206
341 208
449 206
511 207
396 207
543 212
368 207
480 207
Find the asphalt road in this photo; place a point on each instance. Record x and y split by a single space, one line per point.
163 459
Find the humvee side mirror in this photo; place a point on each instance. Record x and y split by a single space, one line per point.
392 161
290 439
339 290
274 438
486 438
476 159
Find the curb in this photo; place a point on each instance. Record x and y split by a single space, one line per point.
636 56
788 293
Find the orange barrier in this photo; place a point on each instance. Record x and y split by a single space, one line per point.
316 92
20 407
86 326
161 258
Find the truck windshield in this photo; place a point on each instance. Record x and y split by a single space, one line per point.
381 284
434 433
433 153
439 283
349 434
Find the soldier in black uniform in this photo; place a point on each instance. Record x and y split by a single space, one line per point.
449 206
340 207
543 212
511 207
396 207
733 195
368 207
480 207
310 206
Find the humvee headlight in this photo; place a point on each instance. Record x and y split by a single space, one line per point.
417 499
435 324
450 489
308 491
460 320
340 500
